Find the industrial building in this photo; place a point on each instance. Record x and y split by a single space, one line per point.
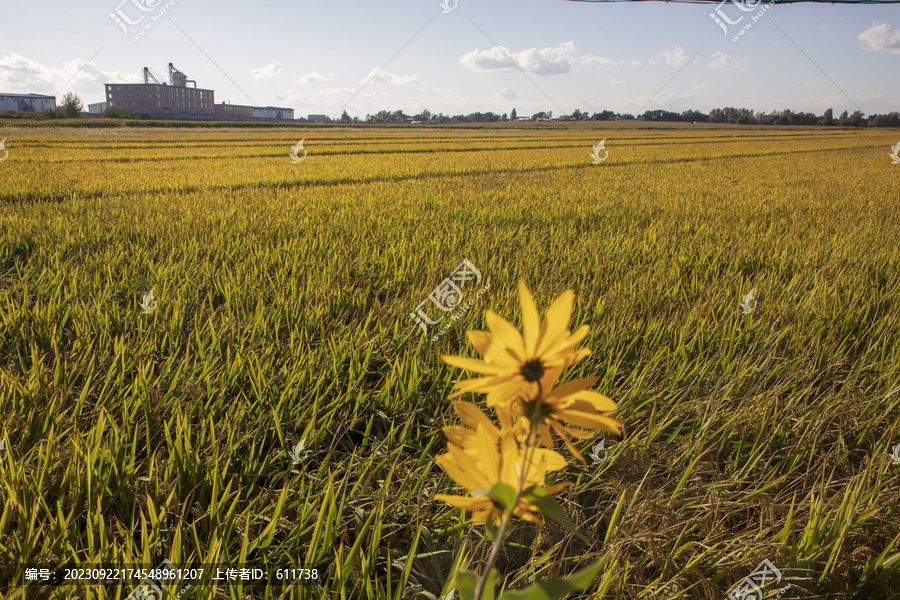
255 112
167 98
234 110
177 100
272 112
26 102
96 108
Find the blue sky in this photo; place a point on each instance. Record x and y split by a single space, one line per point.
533 55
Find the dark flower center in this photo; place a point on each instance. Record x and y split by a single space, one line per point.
532 371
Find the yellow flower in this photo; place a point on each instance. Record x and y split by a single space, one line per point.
496 463
472 416
517 366
572 404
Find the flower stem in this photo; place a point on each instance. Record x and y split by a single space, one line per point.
533 431
495 550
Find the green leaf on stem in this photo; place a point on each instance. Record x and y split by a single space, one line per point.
503 495
490 530
539 497
556 587
467 581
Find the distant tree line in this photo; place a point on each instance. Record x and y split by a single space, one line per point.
729 115
72 107
426 117
745 116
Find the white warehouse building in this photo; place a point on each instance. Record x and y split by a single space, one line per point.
26 102
273 112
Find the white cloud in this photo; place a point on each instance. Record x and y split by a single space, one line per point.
881 38
801 82
599 61
267 72
505 94
21 74
617 81
723 62
676 57
701 86
343 90
314 76
660 100
549 61
328 101
635 64
379 76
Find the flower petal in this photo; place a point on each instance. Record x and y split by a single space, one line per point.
472 416
510 457
545 438
468 503
473 364
531 329
570 387
565 438
507 345
555 328
460 474
552 489
592 400
589 421
488 455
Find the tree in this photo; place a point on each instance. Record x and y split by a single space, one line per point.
889 120
513 115
786 118
71 106
828 118
660 115
844 119
345 118
382 116
119 113
694 116
858 119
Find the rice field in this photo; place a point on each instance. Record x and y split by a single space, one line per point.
274 402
